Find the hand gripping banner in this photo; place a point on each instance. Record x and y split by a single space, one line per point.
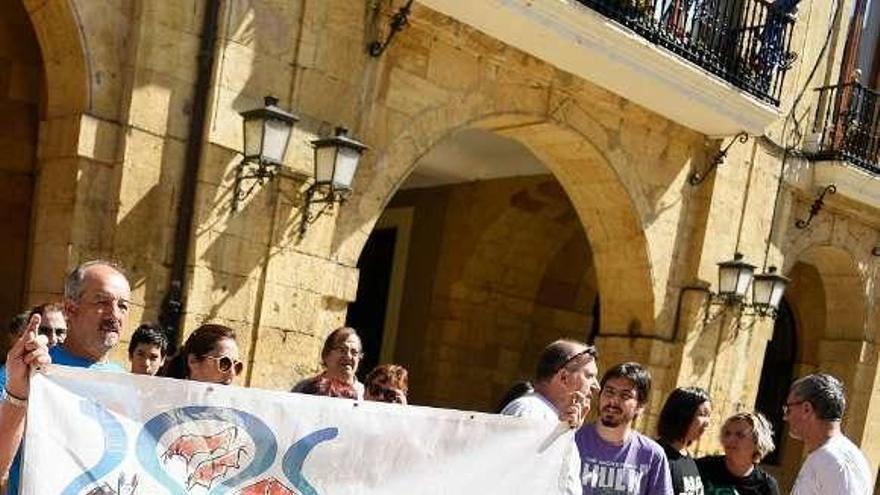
99 433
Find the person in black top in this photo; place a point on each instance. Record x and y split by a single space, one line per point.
746 438
683 420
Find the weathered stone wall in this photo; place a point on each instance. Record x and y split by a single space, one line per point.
513 272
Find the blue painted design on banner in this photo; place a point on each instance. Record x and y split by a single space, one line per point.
296 455
115 441
156 427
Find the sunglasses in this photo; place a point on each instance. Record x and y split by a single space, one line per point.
225 364
49 331
589 351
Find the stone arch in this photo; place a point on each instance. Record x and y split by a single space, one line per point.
57 26
844 290
603 189
829 297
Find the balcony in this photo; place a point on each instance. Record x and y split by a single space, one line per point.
715 66
848 121
745 42
844 147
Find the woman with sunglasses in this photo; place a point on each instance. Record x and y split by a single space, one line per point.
683 420
746 438
340 356
210 355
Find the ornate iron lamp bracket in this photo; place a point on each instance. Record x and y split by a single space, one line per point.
818 203
257 173
697 178
399 21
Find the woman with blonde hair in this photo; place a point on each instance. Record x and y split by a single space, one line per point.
747 438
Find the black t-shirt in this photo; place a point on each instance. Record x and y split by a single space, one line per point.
717 480
685 475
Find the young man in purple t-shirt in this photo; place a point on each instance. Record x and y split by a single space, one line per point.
618 460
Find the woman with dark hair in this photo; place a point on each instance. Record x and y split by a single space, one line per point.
210 354
387 383
340 357
683 420
746 438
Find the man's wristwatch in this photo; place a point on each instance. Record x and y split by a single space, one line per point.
14 400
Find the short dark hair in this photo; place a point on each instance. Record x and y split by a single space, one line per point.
200 343
515 391
18 323
635 373
44 308
678 412
149 334
825 393
560 354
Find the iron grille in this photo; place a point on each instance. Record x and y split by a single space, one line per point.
848 119
745 42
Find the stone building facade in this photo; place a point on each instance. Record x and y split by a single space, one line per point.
527 178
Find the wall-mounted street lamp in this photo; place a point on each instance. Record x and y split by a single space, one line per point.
734 277
266 136
336 162
767 291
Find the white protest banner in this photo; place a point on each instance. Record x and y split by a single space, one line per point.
100 433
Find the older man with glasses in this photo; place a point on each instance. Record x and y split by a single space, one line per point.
96 303
813 411
565 381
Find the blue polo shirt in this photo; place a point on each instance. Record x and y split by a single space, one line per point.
60 356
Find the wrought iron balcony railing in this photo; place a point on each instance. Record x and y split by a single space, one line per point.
848 120
745 42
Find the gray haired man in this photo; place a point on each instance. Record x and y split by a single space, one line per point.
96 304
813 411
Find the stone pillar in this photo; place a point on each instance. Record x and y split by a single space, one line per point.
74 200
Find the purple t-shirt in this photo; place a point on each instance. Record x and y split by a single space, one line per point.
638 467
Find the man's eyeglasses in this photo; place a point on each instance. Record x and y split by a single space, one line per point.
589 351
351 351
226 364
789 405
623 395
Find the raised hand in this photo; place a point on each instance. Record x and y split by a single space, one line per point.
28 351
576 411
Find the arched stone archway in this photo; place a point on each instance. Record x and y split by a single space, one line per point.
828 295
72 195
21 95
67 88
603 188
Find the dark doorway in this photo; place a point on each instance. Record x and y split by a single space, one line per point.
367 313
776 376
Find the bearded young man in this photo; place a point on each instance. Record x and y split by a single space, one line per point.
617 460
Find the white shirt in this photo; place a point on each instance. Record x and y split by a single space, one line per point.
532 405
536 406
838 467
